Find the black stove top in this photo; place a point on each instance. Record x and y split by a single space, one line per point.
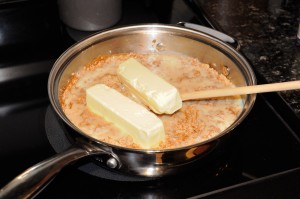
262 160
262 150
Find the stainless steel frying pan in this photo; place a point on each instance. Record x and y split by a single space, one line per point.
207 45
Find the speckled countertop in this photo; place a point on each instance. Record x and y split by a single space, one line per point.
267 32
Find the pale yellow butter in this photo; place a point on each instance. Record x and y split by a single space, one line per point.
142 125
155 92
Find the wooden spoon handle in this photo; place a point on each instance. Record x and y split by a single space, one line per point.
241 90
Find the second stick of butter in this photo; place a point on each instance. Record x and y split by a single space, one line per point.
159 95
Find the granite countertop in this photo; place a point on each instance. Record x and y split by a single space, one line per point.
267 31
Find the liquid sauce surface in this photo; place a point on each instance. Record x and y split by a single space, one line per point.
195 122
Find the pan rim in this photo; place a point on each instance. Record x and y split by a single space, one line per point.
71 52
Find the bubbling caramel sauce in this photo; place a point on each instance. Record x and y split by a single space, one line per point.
195 122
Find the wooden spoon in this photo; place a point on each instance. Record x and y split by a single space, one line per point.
263 88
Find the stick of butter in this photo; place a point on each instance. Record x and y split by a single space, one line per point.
154 91
133 119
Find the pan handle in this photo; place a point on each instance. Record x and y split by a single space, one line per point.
31 180
223 37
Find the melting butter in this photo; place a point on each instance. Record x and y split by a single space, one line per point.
145 128
159 95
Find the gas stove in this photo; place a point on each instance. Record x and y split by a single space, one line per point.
261 161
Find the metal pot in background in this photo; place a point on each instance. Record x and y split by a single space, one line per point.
145 38
90 15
